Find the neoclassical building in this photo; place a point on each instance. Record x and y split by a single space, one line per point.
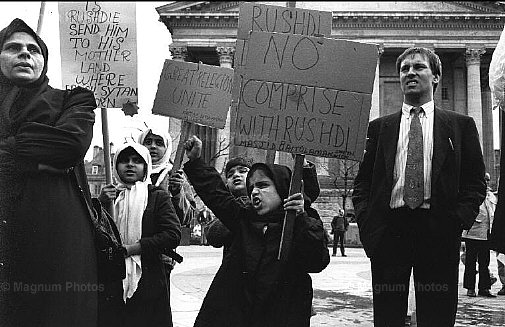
463 33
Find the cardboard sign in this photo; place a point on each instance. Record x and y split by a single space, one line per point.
98 45
305 95
193 92
265 18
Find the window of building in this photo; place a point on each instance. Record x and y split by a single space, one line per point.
94 170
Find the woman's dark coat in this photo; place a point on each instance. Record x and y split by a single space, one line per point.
252 288
47 253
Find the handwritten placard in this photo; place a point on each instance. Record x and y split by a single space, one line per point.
257 17
254 17
98 45
306 95
193 92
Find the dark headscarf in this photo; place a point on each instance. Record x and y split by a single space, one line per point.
17 26
280 175
17 100
237 161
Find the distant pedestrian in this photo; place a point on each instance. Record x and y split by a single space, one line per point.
339 226
204 218
477 247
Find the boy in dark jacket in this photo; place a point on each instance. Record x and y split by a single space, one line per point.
252 288
235 173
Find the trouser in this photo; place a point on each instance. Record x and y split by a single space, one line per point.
477 251
339 236
433 255
501 272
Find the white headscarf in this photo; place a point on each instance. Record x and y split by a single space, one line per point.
129 208
163 166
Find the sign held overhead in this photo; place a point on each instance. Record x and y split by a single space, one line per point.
98 44
305 95
193 92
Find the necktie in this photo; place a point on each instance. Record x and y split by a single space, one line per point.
413 193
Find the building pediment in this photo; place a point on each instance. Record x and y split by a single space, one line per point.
367 16
190 8
349 14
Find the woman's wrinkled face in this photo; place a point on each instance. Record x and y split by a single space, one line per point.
264 196
156 146
21 59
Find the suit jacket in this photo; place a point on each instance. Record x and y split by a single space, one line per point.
497 238
457 182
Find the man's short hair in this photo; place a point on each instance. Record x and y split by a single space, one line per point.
433 59
237 161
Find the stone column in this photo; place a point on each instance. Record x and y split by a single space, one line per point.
223 135
459 86
375 109
178 53
487 130
474 96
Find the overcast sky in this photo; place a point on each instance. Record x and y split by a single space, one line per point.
153 39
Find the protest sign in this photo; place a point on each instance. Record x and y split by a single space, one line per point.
98 45
255 17
305 95
195 93
266 18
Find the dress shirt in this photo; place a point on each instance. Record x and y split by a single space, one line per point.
426 116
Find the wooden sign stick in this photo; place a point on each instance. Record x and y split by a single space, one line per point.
106 155
179 155
289 218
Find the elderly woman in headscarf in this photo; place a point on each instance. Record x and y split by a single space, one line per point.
47 253
149 226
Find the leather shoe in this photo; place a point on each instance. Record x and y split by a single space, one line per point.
471 293
502 291
486 293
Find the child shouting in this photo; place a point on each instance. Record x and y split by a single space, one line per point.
252 288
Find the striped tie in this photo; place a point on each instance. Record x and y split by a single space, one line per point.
413 193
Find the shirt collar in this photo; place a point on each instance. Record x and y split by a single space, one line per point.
428 108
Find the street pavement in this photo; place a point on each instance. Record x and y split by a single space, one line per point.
342 292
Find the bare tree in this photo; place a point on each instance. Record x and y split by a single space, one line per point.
346 174
342 177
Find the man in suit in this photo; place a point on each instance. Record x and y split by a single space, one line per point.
407 223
